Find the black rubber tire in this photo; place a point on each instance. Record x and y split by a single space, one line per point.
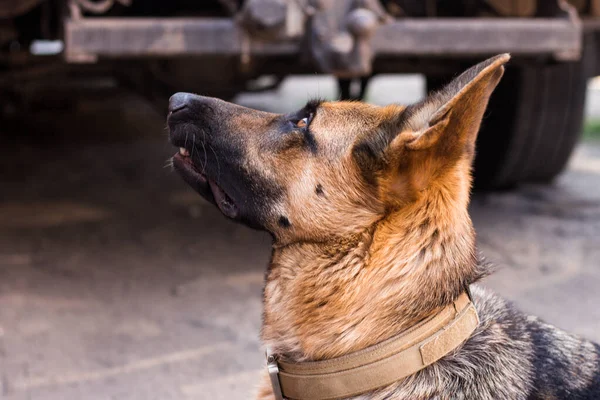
532 124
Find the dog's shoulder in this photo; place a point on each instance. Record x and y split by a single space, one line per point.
512 356
548 362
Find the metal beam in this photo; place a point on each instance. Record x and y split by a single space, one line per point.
161 37
476 36
90 38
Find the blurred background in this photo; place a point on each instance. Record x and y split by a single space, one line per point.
118 282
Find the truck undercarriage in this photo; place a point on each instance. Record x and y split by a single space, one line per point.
222 47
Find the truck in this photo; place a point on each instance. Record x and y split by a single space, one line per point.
223 47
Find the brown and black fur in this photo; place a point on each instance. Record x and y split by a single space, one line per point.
367 207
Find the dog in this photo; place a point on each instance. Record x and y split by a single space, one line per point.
367 208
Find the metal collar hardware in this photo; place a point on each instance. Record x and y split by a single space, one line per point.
274 374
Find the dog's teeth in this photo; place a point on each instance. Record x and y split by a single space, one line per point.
184 152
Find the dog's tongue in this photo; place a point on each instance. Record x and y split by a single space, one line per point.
223 201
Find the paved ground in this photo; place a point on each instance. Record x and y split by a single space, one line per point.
117 282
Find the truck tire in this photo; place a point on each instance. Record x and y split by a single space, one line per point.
532 124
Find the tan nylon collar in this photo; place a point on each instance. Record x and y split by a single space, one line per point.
380 365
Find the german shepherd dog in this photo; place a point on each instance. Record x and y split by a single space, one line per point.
367 208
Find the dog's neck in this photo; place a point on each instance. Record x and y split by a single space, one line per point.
324 301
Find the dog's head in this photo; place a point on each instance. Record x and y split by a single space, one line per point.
331 168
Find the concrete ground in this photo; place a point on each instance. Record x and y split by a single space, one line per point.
118 282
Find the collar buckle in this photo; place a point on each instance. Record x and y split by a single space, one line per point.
273 370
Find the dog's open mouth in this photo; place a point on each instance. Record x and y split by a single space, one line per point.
199 181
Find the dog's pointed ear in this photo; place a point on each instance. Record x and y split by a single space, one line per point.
433 136
450 119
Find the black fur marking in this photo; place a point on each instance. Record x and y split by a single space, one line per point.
313 104
554 370
310 141
425 225
368 156
284 222
322 304
422 253
369 152
319 190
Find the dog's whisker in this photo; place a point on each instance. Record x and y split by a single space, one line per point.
196 148
218 166
204 148
193 145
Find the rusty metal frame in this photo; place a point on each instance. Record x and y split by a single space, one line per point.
561 38
88 39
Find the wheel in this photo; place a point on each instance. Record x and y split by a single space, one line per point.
532 124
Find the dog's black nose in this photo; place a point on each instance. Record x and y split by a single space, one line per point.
179 101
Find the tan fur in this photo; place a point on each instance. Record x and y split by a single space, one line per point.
395 256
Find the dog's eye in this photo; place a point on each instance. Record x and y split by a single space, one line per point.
303 123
